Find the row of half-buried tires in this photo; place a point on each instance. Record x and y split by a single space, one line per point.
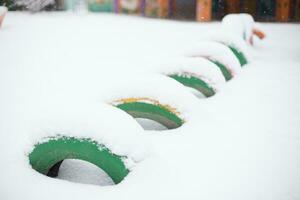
202 70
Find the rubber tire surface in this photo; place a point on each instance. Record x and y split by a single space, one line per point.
240 55
226 73
154 112
196 83
52 152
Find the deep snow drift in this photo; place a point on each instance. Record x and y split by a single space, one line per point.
58 71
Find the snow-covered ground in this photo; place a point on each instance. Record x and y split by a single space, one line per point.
58 71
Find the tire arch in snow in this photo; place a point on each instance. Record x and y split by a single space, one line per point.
83 131
197 73
220 55
238 32
243 26
239 54
46 157
150 109
225 71
193 81
237 46
154 96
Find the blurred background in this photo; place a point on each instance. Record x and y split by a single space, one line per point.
200 10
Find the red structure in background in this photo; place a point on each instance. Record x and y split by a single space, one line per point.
157 8
233 6
283 10
200 10
262 10
204 10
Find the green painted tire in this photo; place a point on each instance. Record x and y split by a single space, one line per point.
152 111
226 73
47 157
240 55
194 82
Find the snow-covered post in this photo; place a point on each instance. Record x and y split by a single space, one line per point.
3 11
243 26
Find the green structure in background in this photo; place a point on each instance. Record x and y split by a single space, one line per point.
47 157
129 6
10 5
6 3
194 82
266 9
70 4
218 9
154 112
101 6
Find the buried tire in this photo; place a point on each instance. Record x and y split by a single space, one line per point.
226 72
239 55
150 109
219 54
46 157
194 82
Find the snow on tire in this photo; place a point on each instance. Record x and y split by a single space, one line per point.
48 155
86 134
237 45
151 109
155 97
242 26
219 54
197 73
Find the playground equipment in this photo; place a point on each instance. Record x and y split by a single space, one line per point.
204 11
226 72
150 109
157 8
204 69
237 46
47 156
220 55
193 81
101 6
243 26
129 6
3 11
239 54
84 137
283 10
197 73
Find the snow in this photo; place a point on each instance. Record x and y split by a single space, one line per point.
86 120
149 124
216 51
79 171
170 93
58 71
239 24
232 40
198 67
